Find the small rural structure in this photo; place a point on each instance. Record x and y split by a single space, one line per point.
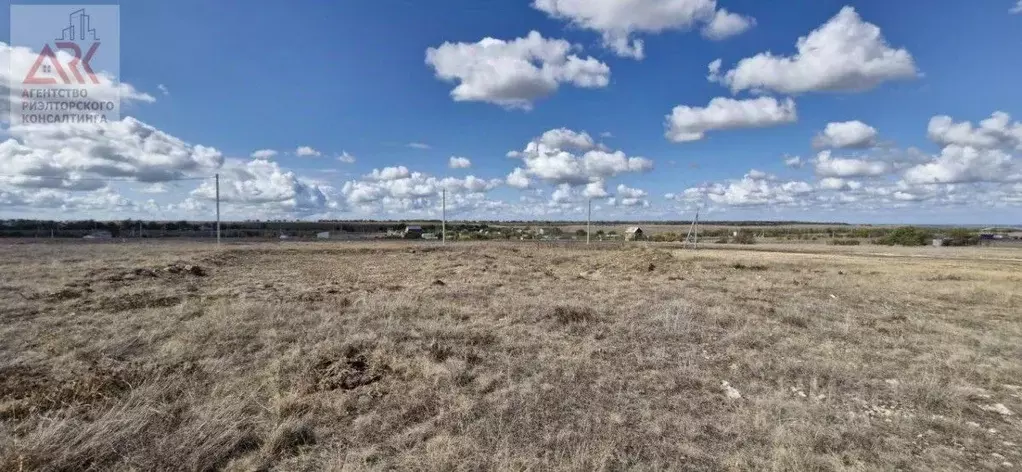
633 233
323 235
413 232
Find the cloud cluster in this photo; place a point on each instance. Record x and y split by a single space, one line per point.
959 164
456 162
105 201
829 166
846 134
264 184
971 154
977 165
687 123
618 20
18 60
562 156
514 73
998 131
398 186
60 155
346 158
629 197
753 189
264 154
846 54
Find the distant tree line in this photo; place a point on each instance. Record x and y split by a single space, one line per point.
748 231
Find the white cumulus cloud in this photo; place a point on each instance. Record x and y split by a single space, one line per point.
307 151
389 173
59 155
397 188
846 134
959 164
264 154
17 61
264 183
346 158
754 191
514 73
687 123
998 131
619 20
518 179
846 54
563 156
459 162
829 166
726 24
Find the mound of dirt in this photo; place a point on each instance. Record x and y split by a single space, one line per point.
352 371
186 269
648 260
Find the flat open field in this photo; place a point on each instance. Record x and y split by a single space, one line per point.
508 356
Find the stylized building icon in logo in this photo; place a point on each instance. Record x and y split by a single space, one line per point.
77 27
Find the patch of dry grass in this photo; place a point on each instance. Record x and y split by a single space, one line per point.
176 356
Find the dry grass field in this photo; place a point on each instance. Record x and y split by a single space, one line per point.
499 356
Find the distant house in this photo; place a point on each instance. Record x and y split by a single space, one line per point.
323 235
413 232
633 234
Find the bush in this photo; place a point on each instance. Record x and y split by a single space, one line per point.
665 237
844 242
745 237
962 237
907 236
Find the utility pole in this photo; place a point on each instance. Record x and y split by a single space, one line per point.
218 209
589 220
443 216
693 231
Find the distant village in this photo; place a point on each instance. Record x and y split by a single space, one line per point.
551 233
717 232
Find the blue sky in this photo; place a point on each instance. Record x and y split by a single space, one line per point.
353 77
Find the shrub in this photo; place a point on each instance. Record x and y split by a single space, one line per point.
844 242
574 314
962 237
907 236
744 237
665 237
